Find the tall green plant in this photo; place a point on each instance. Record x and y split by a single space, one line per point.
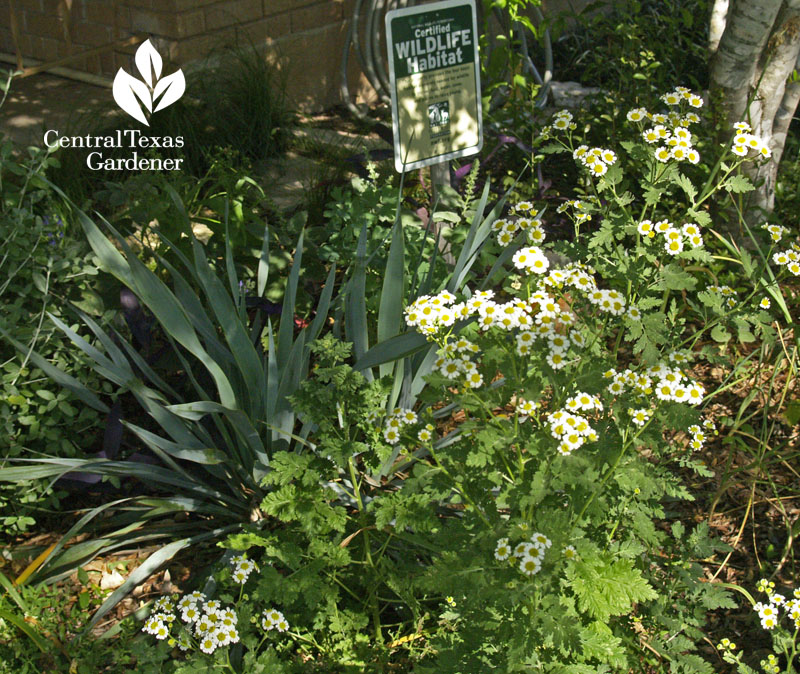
217 432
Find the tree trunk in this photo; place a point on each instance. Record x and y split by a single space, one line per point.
755 46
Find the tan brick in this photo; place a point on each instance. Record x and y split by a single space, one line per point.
153 22
162 5
97 11
192 48
191 23
49 49
124 61
107 64
316 16
183 5
271 27
229 13
43 25
6 43
278 6
90 64
312 79
91 34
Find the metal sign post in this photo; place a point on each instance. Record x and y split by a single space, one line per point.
434 75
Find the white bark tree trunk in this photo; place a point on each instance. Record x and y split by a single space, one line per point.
756 50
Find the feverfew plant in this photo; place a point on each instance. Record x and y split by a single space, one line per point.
204 629
779 616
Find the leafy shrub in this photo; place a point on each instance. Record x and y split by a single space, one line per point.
43 267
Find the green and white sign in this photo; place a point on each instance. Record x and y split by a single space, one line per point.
435 83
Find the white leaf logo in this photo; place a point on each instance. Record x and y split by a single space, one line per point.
131 93
172 88
148 60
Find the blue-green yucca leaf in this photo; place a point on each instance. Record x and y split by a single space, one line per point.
59 376
118 373
499 264
12 592
295 369
323 307
156 297
271 368
468 248
74 529
22 470
263 265
112 350
18 621
400 346
286 328
390 311
230 267
244 353
356 303
206 456
198 316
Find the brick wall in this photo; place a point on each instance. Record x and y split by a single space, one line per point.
304 37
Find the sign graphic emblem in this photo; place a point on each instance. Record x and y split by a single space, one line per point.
434 73
131 93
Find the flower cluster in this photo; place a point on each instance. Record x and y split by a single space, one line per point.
698 433
789 258
530 553
454 360
562 121
771 664
728 293
242 568
744 141
526 407
669 131
640 416
682 94
671 385
570 429
610 301
675 239
209 622
430 314
579 213
531 259
272 619
399 417
522 217
776 232
769 612
596 159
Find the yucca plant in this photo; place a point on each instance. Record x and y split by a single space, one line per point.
403 355
213 444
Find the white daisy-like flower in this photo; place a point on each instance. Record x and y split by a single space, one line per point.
530 566
503 550
541 541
